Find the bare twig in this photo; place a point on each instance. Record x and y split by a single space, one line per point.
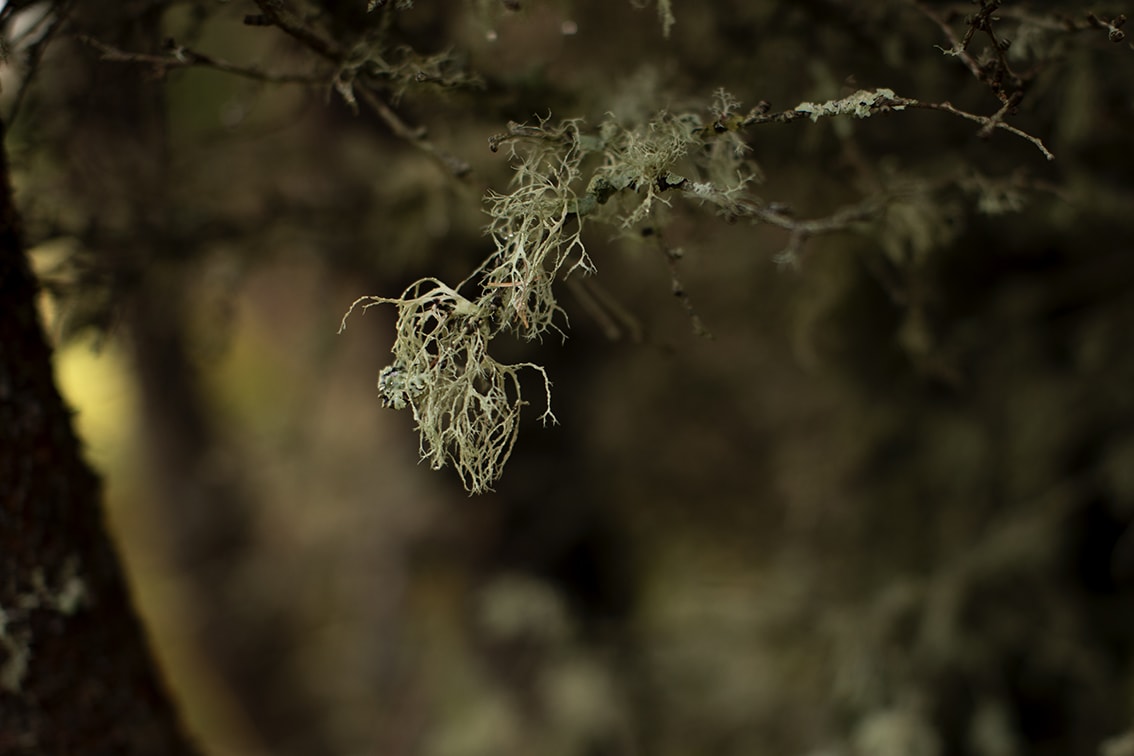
276 13
1113 27
1055 22
611 316
800 231
180 57
994 73
414 135
183 57
957 47
884 101
987 122
677 287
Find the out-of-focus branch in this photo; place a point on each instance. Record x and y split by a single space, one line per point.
801 230
275 13
182 57
414 135
347 80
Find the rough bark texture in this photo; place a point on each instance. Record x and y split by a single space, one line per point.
75 672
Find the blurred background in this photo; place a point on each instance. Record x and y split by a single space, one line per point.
885 509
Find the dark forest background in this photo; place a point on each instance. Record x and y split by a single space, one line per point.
884 509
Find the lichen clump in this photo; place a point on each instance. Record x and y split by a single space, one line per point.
467 404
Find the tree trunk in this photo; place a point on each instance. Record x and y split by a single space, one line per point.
76 675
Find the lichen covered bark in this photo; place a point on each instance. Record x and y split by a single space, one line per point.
75 672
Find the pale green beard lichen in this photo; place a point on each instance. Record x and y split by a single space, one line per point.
466 404
536 230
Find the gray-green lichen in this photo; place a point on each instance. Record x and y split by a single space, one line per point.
15 636
861 104
467 404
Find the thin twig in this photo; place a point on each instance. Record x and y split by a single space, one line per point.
415 136
992 74
957 47
893 103
672 255
276 14
183 57
988 122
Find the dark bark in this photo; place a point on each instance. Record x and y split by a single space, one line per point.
76 675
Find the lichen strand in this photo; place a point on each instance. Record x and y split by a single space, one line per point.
466 404
537 231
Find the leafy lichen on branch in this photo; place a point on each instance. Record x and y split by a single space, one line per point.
861 104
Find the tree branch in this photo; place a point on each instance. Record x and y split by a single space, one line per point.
275 13
183 57
863 104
